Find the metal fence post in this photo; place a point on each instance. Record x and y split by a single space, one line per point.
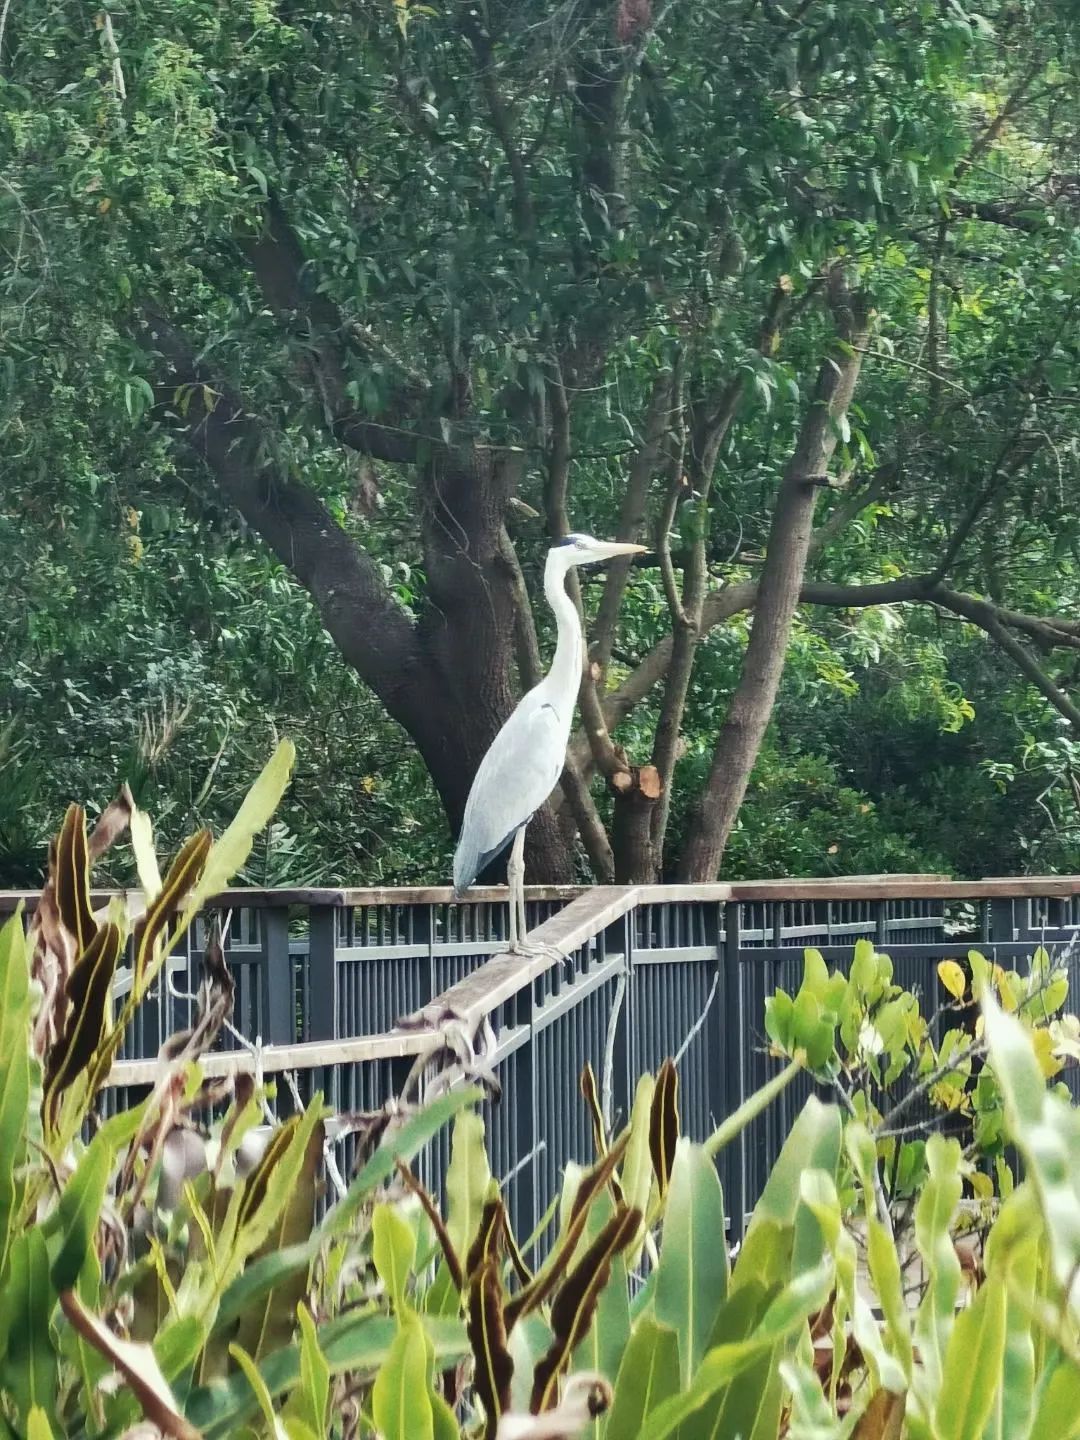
525 1210
276 978
729 1050
323 1008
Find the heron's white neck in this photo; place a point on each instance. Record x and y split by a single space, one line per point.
564 677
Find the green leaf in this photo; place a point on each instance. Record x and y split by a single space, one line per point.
15 1011
692 1278
884 1266
310 1401
972 1370
752 1400
79 1210
357 1344
400 1399
1058 1413
393 1249
229 854
30 1367
1046 1131
787 1313
262 1395
933 1216
648 1375
37 1425
261 1277
750 1109
402 1144
813 1144
266 1326
468 1179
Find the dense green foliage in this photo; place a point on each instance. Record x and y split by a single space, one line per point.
343 256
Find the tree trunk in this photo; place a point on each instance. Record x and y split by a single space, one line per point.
782 575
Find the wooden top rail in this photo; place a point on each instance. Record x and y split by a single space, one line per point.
850 887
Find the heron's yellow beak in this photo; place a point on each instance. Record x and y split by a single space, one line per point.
618 548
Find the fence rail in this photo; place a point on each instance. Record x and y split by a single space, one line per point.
626 977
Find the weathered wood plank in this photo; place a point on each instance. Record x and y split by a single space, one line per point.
310 1055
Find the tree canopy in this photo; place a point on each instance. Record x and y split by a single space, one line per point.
319 323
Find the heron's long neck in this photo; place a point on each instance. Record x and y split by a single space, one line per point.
564 677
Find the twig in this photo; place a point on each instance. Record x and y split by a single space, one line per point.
607 1078
700 1021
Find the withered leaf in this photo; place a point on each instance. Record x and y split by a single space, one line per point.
664 1123
486 1329
575 1304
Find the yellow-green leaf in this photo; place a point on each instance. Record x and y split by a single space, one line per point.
953 978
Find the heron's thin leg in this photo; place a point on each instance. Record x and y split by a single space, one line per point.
515 879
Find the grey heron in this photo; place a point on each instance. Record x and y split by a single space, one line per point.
526 758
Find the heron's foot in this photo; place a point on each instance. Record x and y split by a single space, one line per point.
535 950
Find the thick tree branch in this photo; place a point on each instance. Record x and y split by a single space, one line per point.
344 582
779 587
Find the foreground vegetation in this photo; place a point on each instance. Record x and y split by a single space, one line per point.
299 302
171 1275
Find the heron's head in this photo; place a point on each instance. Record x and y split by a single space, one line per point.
584 550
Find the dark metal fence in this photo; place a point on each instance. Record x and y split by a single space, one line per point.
323 977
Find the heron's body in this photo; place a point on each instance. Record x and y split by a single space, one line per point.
526 758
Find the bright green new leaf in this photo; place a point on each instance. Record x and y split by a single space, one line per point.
37 1425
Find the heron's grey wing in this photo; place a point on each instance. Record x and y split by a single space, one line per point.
515 777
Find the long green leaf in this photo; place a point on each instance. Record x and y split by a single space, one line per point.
750 1109
1046 1130
400 1399
805 1295
393 1248
14 1068
229 854
813 1143
933 1216
1058 1413
648 1375
79 1210
269 1324
29 1371
973 1363
691 1281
